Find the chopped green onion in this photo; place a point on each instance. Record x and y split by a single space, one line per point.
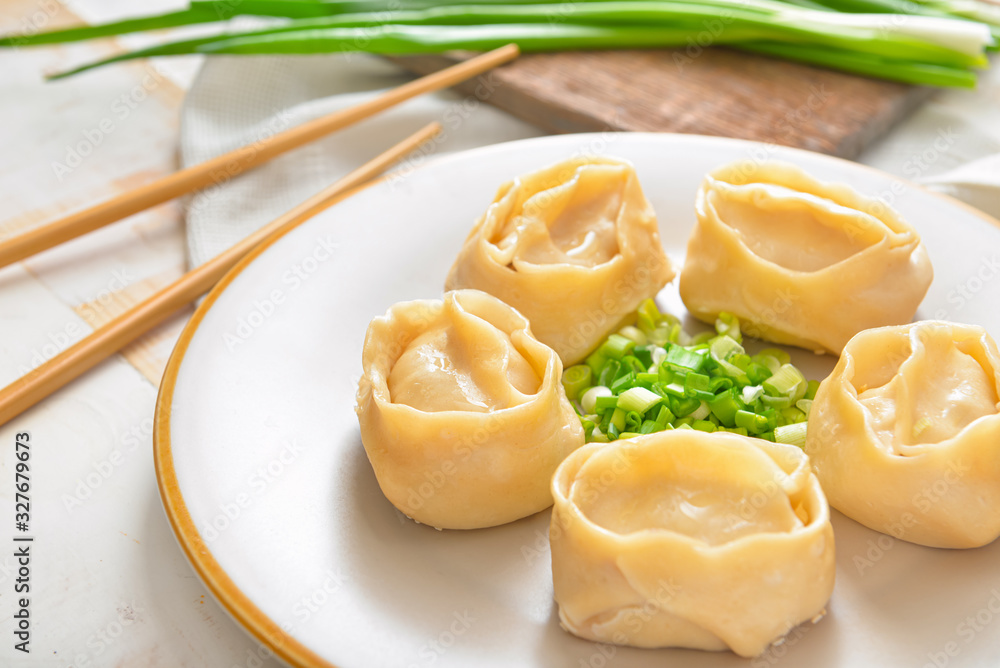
791 415
658 355
751 393
644 354
724 407
623 382
617 346
752 422
598 436
684 407
664 416
634 334
679 356
709 384
787 382
727 324
576 379
792 434
649 427
634 364
758 373
804 405
719 383
605 424
596 361
772 363
648 316
813 386
700 338
695 383
603 403
678 335
723 347
648 378
776 402
701 412
609 372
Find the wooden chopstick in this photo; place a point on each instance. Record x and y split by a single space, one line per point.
238 161
127 327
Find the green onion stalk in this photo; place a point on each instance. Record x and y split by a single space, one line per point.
933 47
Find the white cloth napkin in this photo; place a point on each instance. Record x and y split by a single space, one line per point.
952 144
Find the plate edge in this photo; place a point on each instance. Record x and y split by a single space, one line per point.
225 591
229 596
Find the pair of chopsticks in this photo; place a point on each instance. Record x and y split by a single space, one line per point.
127 327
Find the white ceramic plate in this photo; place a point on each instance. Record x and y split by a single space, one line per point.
266 483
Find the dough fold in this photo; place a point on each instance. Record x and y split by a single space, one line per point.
800 262
905 433
688 539
462 411
575 247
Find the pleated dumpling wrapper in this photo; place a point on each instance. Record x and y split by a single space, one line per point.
575 247
904 435
800 262
687 539
462 411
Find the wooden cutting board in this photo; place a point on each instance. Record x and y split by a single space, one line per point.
714 91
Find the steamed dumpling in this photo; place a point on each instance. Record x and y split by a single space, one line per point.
688 539
462 411
574 247
905 433
800 262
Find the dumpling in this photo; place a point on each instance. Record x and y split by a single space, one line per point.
800 262
574 247
904 435
687 539
462 411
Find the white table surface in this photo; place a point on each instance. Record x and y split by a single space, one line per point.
109 586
